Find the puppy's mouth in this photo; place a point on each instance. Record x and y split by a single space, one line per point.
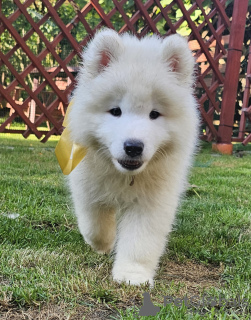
130 164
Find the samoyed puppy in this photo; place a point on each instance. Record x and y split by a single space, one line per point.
134 110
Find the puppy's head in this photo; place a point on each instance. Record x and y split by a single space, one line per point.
133 99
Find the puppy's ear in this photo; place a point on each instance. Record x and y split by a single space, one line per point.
105 48
179 58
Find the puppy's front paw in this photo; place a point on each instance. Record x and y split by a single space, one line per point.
134 274
101 247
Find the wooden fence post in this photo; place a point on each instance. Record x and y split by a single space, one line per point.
224 144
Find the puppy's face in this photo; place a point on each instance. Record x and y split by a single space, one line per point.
132 97
134 138
133 124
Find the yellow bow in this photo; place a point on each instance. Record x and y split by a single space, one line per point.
68 153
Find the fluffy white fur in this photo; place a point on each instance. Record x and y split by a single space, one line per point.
138 76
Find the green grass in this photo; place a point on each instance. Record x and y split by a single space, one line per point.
44 262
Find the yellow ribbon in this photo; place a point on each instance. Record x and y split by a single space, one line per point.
68 153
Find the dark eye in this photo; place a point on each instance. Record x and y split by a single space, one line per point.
116 112
154 114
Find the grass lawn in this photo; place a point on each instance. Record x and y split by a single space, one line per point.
48 272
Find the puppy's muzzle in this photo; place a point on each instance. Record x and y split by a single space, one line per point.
133 148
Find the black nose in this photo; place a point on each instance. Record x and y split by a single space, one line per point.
133 148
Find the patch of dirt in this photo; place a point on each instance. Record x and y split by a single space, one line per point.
178 279
193 277
58 312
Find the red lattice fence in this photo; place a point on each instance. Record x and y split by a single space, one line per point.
35 91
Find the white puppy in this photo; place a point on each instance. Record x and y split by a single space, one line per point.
135 111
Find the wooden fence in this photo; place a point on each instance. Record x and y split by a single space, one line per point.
41 42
